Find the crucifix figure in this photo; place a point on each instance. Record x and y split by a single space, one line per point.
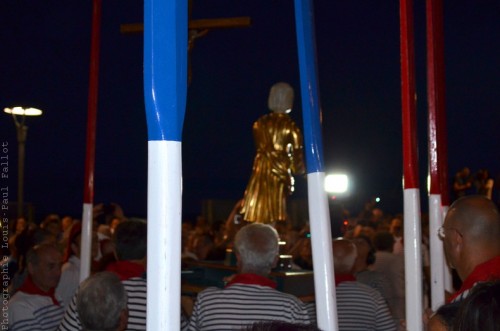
197 29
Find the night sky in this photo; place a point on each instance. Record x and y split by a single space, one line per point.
45 61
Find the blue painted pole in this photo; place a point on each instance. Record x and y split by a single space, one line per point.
165 89
319 216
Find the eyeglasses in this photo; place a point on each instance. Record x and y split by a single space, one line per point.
442 232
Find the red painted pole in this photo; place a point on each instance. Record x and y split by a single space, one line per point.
439 191
433 97
88 195
408 96
436 99
440 104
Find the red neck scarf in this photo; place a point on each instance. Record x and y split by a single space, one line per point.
339 278
126 269
489 270
252 279
30 288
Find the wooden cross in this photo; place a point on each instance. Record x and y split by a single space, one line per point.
196 29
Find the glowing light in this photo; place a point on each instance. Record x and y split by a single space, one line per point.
23 111
336 183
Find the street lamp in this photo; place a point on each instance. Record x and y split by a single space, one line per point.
19 115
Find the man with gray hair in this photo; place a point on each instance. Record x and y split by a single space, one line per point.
36 306
102 303
250 296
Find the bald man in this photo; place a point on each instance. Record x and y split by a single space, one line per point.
471 239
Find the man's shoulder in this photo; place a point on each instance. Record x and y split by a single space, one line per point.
135 282
27 309
25 300
352 289
249 291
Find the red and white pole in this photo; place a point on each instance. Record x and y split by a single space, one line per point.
412 228
88 194
437 141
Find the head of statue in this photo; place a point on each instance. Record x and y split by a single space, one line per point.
281 98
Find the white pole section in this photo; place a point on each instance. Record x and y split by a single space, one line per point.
86 241
413 260
448 279
164 240
436 252
324 278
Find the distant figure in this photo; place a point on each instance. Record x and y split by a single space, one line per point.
70 276
396 229
462 182
362 267
102 303
481 309
35 305
483 183
393 268
250 296
470 235
279 157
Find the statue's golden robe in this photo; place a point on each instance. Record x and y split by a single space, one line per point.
279 156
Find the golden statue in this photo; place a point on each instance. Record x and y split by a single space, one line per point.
279 156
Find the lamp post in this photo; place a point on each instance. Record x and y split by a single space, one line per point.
19 115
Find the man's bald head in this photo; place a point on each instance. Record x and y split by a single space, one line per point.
344 256
472 233
476 217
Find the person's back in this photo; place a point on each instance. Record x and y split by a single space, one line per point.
250 296
244 302
392 267
359 306
480 311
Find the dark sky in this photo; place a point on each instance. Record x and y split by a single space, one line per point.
45 60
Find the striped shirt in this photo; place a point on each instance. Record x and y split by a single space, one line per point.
33 312
362 308
136 292
239 305
136 288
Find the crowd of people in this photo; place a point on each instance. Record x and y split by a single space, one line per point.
45 291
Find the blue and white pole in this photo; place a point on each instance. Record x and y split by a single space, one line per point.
319 216
165 89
